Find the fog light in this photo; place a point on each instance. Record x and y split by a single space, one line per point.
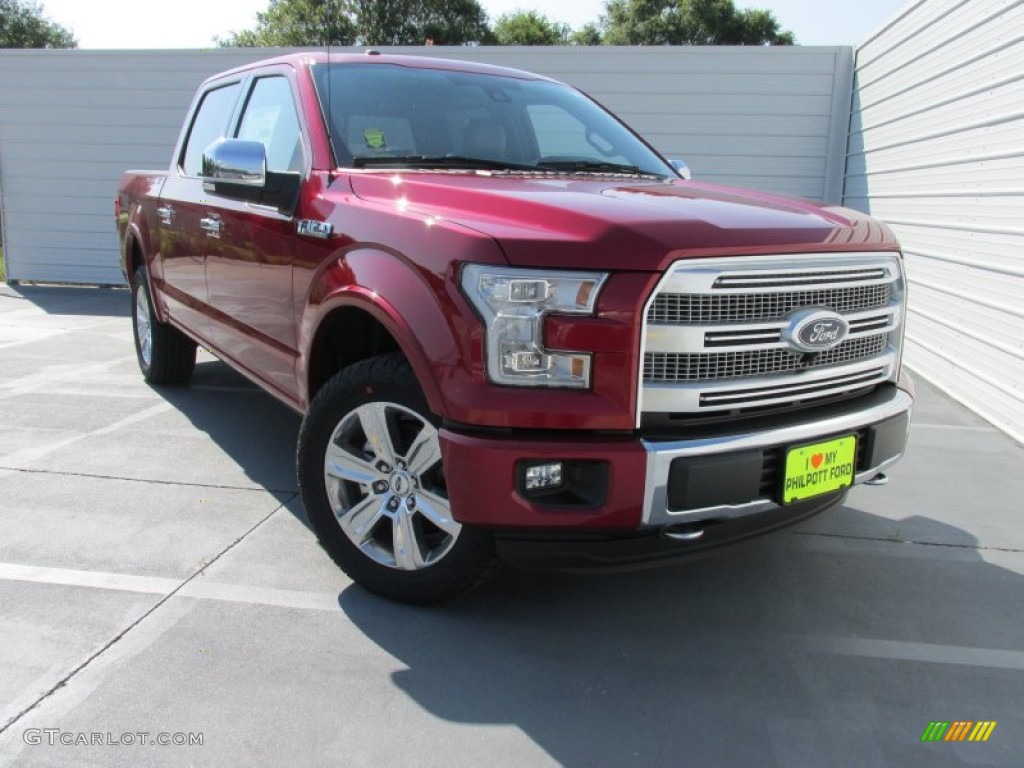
542 476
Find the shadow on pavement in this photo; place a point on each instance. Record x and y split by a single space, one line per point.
256 431
71 300
792 649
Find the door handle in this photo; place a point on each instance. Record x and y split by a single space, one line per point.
211 225
166 214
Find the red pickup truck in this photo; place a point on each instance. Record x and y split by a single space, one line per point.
510 324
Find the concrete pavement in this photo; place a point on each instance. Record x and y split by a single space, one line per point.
157 575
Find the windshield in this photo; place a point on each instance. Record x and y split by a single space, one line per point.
388 115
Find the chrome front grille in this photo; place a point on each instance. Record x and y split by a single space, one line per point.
715 331
669 366
694 308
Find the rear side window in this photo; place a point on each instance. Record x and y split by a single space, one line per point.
270 118
210 124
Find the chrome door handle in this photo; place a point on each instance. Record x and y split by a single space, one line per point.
211 225
166 214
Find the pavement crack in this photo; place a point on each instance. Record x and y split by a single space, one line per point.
113 641
146 481
887 540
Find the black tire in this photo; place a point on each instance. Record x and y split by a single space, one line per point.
384 451
170 356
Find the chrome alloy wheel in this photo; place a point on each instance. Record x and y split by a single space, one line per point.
143 325
382 469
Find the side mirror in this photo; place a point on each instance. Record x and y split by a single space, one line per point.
681 168
237 169
235 161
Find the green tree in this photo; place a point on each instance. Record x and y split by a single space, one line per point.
529 28
588 34
689 22
365 22
22 25
295 23
421 22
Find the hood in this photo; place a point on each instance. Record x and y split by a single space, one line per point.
589 223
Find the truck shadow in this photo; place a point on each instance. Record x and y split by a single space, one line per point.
73 300
792 649
257 432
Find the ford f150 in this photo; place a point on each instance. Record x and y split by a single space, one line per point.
507 320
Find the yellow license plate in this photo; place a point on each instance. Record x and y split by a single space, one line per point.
812 470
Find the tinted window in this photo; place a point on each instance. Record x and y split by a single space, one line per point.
270 118
381 110
210 124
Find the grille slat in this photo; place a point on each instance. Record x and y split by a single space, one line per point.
793 279
704 309
670 367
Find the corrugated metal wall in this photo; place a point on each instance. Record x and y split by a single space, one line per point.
937 151
72 121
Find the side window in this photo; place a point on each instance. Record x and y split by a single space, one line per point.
210 123
270 118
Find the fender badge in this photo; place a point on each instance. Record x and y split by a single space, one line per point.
321 230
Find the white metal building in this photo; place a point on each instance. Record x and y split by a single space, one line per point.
937 151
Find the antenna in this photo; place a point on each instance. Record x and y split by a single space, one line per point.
329 121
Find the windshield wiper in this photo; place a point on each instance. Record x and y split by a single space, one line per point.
595 166
437 161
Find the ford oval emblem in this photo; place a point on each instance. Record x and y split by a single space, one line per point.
815 330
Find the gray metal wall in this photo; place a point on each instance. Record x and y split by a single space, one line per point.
937 151
72 121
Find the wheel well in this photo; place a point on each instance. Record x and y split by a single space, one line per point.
136 259
346 336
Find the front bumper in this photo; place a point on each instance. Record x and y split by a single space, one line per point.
712 475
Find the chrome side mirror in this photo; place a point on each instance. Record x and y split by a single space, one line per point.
681 168
235 161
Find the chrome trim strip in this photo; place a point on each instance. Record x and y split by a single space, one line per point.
892 402
700 275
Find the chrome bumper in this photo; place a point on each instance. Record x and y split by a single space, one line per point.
839 419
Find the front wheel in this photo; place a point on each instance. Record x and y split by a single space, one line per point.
372 481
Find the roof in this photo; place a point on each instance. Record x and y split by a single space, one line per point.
372 57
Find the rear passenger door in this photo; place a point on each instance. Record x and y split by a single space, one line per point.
249 277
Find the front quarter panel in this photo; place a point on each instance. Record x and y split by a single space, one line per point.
409 285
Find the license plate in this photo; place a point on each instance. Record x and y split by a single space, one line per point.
812 470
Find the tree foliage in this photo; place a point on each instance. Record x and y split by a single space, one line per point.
421 22
22 25
530 28
365 22
296 23
690 22
589 34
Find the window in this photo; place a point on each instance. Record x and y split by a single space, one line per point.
561 135
210 123
270 118
379 110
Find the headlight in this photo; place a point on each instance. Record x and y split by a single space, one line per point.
513 303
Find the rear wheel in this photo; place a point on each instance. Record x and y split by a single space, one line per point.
165 354
372 482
